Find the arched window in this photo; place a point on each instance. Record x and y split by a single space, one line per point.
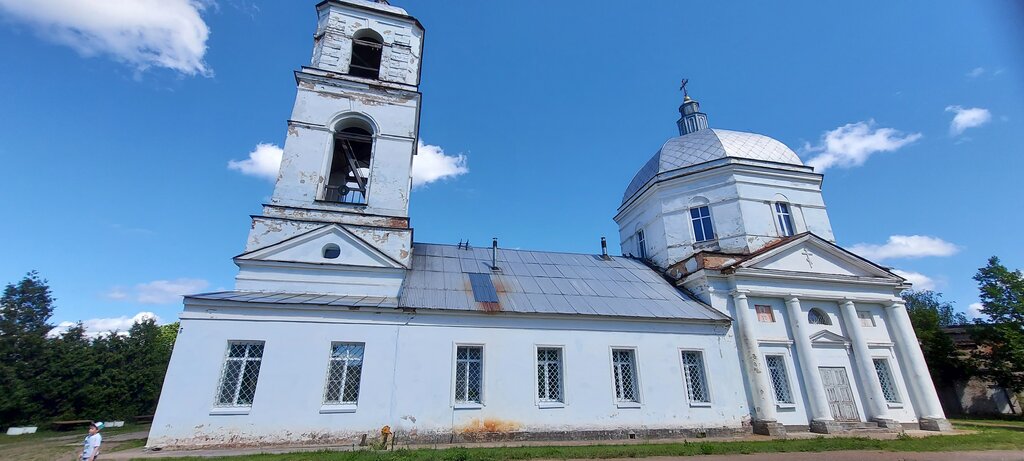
785 219
367 47
349 175
818 317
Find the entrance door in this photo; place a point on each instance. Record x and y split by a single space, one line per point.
840 396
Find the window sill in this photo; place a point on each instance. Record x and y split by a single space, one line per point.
468 406
342 408
228 411
627 404
701 404
895 405
345 204
786 406
543 405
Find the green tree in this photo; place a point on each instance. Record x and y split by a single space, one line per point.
25 309
929 313
1000 335
70 366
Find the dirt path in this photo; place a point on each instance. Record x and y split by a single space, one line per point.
853 456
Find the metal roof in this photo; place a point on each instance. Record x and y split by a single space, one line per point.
707 145
442 277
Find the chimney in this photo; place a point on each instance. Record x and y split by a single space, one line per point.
604 249
494 254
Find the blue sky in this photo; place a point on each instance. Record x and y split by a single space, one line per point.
116 130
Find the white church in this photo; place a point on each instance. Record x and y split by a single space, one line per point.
733 310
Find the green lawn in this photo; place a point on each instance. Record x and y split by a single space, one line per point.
50 445
991 435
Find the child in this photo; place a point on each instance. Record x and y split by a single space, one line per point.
91 447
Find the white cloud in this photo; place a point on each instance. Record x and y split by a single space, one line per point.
158 291
905 246
976 72
851 144
967 118
100 326
919 280
974 311
431 164
142 33
264 162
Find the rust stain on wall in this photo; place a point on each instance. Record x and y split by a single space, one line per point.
489 425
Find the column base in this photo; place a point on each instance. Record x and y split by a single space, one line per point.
935 424
769 427
826 426
890 424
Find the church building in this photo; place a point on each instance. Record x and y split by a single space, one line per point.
732 311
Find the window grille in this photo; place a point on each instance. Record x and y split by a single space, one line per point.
702 228
780 380
469 374
549 374
785 218
624 370
343 374
765 314
885 379
817 317
641 244
237 386
696 383
866 320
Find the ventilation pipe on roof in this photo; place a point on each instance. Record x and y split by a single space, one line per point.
604 249
494 254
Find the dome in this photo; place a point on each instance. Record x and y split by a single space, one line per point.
706 145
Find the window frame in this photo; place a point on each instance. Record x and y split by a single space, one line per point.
641 244
538 400
468 404
784 219
342 406
700 219
784 362
705 378
770 312
235 408
864 315
637 401
826 320
898 402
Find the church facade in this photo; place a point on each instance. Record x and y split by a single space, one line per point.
732 311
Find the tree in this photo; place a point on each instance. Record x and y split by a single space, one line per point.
1000 336
929 314
25 309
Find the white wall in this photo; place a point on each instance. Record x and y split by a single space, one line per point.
407 377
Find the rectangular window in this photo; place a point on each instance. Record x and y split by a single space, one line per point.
624 373
469 374
549 374
785 218
866 319
885 379
237 386
765 314
346 367
780 379
641 245
702 228
696 383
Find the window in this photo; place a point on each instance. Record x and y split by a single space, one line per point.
641 245
241 371
367 48
331 251
702 228
469 374
885 379
785 219
624 373
818 317
549 374
346 367
780 379
866 319
348 178
696 383
765 314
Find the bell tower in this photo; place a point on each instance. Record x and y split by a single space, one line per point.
338 220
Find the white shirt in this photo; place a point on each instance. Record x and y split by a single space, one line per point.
91 444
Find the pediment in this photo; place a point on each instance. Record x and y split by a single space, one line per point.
828 338
309 247
812 254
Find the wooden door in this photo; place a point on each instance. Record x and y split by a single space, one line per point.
840 396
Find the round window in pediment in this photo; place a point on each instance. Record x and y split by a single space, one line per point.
331 251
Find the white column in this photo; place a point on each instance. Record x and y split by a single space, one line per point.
912 362
874 400
757 374
820 410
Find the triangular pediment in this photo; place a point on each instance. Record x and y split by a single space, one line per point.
812 254
309 247
828 338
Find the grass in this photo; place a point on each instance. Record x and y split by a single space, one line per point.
49 445
1008 436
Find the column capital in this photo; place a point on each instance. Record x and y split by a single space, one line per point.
739 294
847 302
791 298
898 304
